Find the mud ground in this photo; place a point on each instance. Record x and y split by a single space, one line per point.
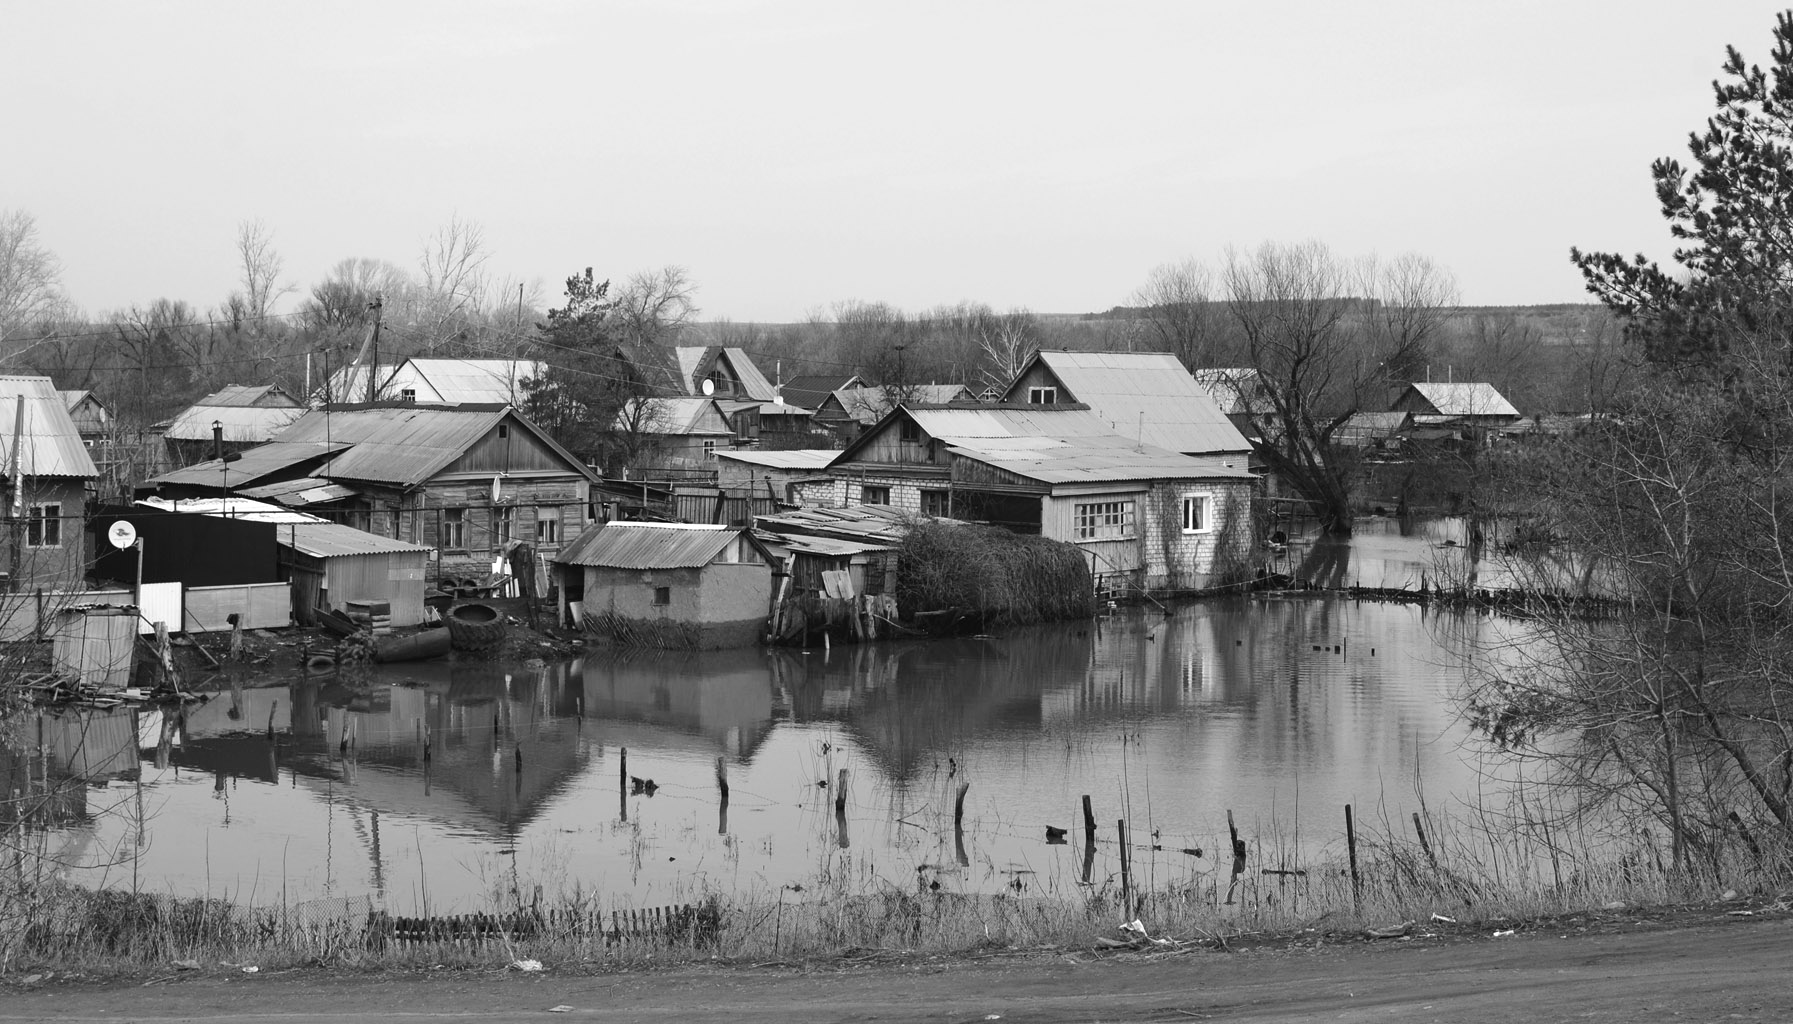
1702 964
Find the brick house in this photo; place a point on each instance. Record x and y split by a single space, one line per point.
1150 517
464 479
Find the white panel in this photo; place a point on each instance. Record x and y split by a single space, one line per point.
159 602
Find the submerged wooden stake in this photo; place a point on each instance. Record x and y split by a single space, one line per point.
1351 847
1423 845
840 793
1120 827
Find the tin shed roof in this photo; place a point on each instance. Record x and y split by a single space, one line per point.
648 545
471 380
333 540
49 444
794 458
1147 396
1466 399
241 421
1058 447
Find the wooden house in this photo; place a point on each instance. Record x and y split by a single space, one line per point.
48 472
1146 396
672 585
1474 405
849 412
1144 516
233 419
467 480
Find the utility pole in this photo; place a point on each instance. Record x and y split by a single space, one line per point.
373 369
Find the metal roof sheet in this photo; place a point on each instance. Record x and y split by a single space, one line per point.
869 405
231 507
795 458
1090 459
1147 396
811 390
648 545
241 422
333 540
1477 399
681 416
753 382
308 490
262 460
49 444
467 380
267 395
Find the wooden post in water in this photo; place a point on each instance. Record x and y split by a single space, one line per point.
1120 827
722 788
1423 845
1351 848
622 784
273 707
840 808
1089 822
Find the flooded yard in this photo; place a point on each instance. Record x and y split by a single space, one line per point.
318 787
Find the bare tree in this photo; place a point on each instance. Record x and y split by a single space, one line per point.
1318 361
454 282
1178 305
260 265
1411 301
30 274
654 306
1006 342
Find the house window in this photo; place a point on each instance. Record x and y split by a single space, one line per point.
1042 396
709 448
454 529
1198 512
504 430
44 529
911 431
504 521
547 526
408 394
936 503
1105 520
662 595
873 495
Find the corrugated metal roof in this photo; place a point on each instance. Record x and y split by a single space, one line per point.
648 545
231 507
681 416
262 460
1055 447
811 390
73 398
795 458
690 359
49 444
1466 399
333 540
1147 396
876 524
241 422
753 382
468 380
308 490
266 395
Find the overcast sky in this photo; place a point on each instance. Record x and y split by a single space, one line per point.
794 155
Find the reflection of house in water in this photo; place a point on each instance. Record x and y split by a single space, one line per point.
723 696
79 747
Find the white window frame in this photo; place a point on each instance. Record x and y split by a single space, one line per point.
1046 395
547 526
1106 520
864 500
454 528
1203 506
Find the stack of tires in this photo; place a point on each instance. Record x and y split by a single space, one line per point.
474 627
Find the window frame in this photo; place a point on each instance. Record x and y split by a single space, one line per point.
1044 394
454 530
941 500
883 491
1117 519
662 597
1205 518
909 431
44 526
548 518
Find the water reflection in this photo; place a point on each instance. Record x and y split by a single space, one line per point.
439 784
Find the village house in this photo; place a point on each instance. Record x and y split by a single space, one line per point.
434 380
1472 405
1144 516
849 412
811 390
672 585
465 479
1146 396
236 418
676 433
91 417
48 473
769 473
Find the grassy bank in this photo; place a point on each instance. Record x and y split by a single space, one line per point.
1461 879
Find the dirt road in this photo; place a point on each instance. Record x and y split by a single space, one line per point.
1710 969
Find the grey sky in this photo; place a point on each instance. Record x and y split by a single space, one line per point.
793 155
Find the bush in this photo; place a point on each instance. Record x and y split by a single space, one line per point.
997 575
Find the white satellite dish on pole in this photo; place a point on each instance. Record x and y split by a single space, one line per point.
709 387
122 535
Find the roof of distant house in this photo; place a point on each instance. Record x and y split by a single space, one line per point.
1148 396
678 416
648 545
1471 399
394 443
794 458
869 405
470 380
244 395
49 444
695 362
1062 446
811 390
1237 390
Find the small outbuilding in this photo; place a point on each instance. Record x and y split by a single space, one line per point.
671 585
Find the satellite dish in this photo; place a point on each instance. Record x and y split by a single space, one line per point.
709 387
122 535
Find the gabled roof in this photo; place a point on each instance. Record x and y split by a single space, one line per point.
1148 396
648 545
695 362
1053 447
246 395
680 416
811 390
74 398
241 422
469 380
1478 399
388 442
49 444
869 405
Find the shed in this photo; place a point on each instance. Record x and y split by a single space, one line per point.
331 565
674 585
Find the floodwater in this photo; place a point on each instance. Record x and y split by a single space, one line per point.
1281 710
